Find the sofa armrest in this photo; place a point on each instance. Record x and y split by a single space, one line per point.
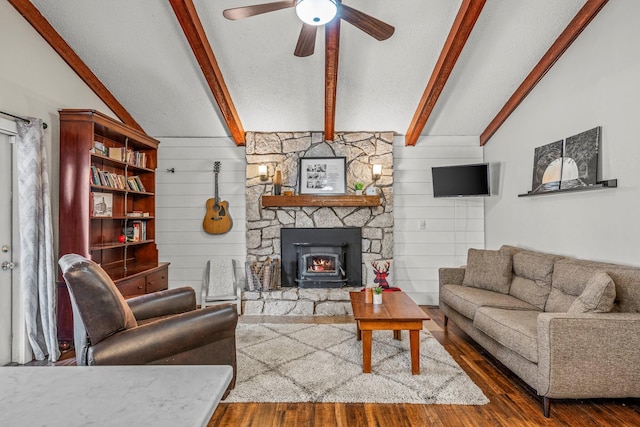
163 303
589 355
450 276
166 337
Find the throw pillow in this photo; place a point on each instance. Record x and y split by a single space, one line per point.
487 269
598 296
532 277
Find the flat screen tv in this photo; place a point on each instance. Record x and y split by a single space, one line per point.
461 180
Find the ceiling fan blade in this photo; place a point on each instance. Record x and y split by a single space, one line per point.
370 25
256 9
306 40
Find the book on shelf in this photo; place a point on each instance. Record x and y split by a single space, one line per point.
137 231
131 182
95 175
143 230
139 184
135 184
117 153
135 214
101 204
99 148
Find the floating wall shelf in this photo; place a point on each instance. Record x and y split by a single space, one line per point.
610 183
313 200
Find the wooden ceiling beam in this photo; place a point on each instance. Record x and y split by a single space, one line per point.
332 52
589 11
191 25
55 40
460 31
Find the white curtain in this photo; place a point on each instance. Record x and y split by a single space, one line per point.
37 262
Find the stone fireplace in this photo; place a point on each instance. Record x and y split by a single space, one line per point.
265 225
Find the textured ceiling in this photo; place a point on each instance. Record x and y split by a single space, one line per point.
137 49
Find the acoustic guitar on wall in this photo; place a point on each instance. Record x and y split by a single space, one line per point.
217 219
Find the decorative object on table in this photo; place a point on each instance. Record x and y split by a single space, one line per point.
379 273
277 183
322 175
288 193
377 295
547 167
217 219
358 186
368 295
580 162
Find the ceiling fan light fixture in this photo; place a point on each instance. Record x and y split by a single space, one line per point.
316 12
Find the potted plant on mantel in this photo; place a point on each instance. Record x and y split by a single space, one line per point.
358 186
377 295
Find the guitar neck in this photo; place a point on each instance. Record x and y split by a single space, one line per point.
216 188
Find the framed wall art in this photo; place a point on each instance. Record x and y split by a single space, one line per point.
547 167
322 175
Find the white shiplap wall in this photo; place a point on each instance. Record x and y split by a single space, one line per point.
180 206
452 224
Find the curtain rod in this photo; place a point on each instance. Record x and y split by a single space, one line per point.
44 125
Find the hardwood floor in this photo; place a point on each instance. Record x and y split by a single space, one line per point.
512 403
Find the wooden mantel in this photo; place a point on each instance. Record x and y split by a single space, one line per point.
315 200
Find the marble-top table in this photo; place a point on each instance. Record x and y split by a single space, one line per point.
111 395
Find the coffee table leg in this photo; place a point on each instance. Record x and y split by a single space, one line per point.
414 337
358 332
366 352
397 335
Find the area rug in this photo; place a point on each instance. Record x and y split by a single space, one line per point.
304 362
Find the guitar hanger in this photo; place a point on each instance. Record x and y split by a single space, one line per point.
173 170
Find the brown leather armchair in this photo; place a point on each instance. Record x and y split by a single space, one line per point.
162 328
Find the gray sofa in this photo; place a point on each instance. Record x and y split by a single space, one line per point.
569 328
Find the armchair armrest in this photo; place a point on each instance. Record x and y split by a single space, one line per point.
589 355
162 303
166 337
450 276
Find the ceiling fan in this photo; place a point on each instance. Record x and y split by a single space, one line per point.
314 13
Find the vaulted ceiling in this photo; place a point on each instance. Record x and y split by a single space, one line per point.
179 68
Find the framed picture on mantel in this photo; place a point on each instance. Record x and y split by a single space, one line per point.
322 175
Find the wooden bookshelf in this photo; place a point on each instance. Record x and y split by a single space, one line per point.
132 265
315 200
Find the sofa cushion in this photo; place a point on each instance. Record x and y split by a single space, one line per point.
532 277
576 272
514 329
466 300
489 270
597 297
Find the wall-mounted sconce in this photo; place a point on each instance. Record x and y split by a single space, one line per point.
376 172
262 171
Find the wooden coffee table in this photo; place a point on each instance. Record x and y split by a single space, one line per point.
397 312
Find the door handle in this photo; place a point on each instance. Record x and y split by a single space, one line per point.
8 265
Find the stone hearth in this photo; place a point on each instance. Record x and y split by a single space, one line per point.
299 302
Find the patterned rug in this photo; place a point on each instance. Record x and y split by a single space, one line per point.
304 362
